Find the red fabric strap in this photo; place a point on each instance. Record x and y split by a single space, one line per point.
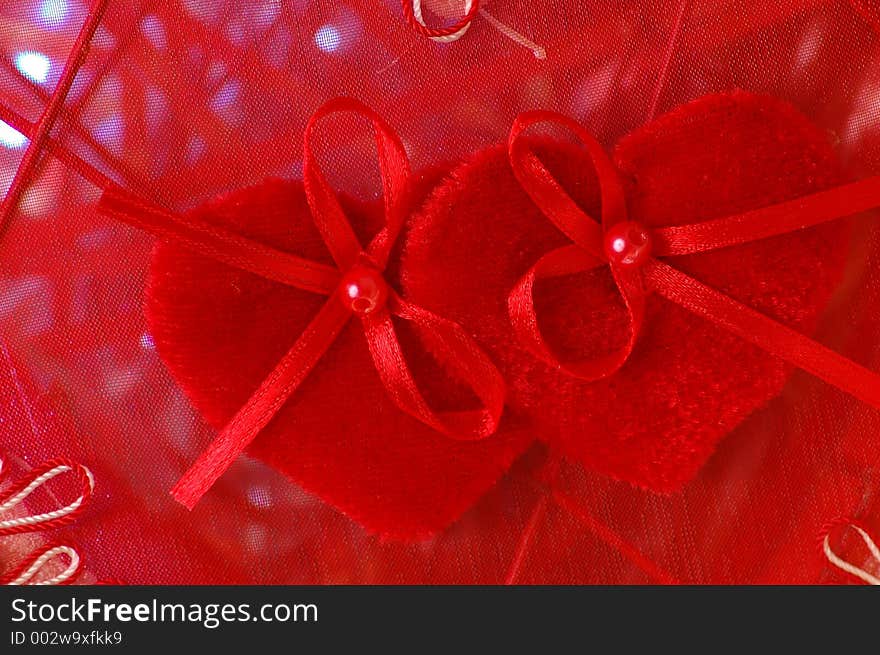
218 243
447 341
635 282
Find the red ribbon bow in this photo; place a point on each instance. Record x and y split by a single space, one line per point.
630 250
355 288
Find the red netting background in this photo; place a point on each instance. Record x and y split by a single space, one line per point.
179 100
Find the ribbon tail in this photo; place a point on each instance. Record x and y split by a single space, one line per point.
450 345
521 302
798 214
764 332
218 243
612 538
263 404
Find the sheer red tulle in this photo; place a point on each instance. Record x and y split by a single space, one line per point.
178 101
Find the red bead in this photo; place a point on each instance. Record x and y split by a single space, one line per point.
363 290
628 244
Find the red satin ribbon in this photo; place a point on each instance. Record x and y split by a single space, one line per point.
635 282
445 339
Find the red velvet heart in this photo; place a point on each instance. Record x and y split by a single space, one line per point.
870 9
688 382
220 331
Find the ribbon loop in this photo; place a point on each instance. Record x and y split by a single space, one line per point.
548 194
326 210
588 251
218 243
454 349
652 275
356 287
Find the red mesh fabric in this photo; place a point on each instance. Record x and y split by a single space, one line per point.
688 383
180 100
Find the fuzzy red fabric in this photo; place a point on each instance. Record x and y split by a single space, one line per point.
689 382
220 331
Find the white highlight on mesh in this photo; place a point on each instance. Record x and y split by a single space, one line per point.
33 486
33 65
852 569
54 11
31 572
328 38
10 137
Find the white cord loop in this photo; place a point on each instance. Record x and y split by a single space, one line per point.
850 568
31 573
35 484
505 29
